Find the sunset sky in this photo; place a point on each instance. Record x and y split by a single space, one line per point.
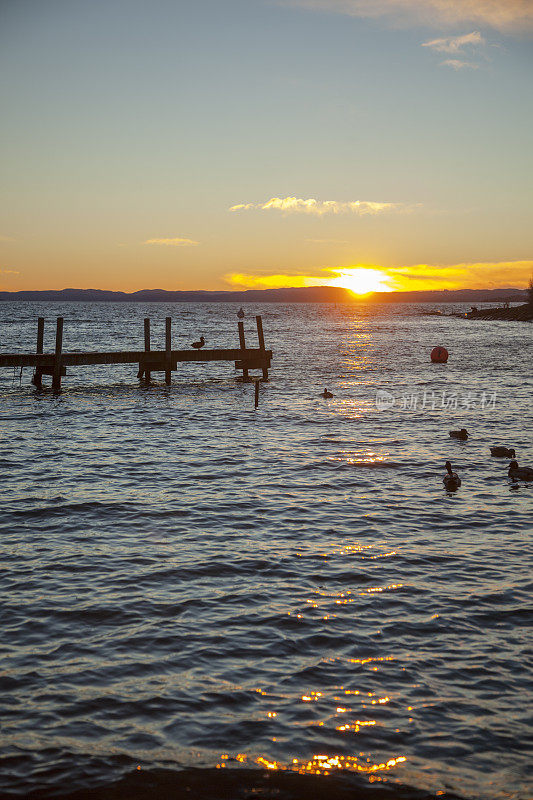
217 144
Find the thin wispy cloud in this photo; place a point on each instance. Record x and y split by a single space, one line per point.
176 241
464 48
457 64
510 16
9 272
318 207
6 238
456 44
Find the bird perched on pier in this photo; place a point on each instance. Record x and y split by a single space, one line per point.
521 473
198 345
462 434
240 313
451 480
503 452
327 394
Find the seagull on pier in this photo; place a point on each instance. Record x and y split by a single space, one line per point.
462 434
520 473
240 313
198 345
451 480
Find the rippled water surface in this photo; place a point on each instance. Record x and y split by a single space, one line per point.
189 582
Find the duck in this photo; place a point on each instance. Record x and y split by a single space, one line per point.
240 313
198 345
522 473
503 452
462 434
451 480
327 394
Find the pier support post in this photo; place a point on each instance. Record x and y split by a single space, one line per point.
261 338
242 343
256 398
56 379
168 350
146 350
37 379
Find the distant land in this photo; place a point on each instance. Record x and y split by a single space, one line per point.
311 294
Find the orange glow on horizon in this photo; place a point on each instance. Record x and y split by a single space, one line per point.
361 280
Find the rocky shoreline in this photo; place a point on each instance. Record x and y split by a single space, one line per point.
523 313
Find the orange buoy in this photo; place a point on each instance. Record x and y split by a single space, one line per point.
439 355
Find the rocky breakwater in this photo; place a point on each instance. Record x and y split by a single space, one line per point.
522 313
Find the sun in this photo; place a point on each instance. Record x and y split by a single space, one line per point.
361 280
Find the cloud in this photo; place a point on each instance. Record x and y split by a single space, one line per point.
415 277
9 272
510 16
464 275
456 64
456 44
6 238
248 281
467 44
318 207
175 242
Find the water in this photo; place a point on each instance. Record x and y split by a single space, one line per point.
189 582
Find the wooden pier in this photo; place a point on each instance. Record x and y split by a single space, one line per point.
56 363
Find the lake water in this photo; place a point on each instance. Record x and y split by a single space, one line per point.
289 591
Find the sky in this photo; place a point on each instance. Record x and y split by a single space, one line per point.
219 144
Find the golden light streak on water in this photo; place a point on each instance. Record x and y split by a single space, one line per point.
356 726
324 764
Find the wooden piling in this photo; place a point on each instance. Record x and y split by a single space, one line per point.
37 379
56 379
168 350
242 343
256 392
261 337
146 347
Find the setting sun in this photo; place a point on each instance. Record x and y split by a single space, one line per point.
361 280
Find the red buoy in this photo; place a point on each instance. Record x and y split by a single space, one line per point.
439 355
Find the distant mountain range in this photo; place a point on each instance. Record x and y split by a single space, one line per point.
311 294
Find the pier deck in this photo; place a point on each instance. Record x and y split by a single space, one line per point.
55 364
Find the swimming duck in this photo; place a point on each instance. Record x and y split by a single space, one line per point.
462 434
522 473
451 480
325 393
503 452
199 344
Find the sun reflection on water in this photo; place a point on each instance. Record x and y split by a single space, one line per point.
319 764
363 457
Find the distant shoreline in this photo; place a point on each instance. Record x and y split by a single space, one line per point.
311 294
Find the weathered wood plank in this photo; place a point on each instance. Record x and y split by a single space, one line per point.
168 350
261 363
37 377
242 342
56 379
261 338
146 347
131 357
